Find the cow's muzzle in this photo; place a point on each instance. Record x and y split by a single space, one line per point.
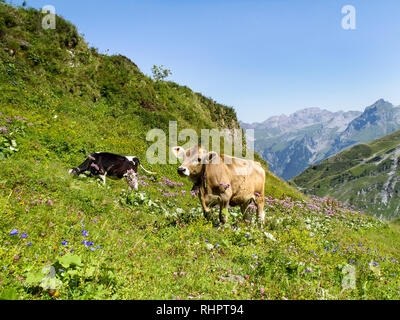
182 171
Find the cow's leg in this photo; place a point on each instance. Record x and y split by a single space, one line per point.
224 205
103 177
203 197
260 201
244 208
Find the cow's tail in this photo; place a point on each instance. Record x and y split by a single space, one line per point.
149 172
83 167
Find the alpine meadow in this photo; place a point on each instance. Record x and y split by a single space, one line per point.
72 238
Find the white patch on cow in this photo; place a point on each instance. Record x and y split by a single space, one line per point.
130 158
103 177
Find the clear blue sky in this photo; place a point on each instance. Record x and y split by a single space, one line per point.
262 57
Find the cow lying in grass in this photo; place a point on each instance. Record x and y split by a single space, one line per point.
105 164
223 180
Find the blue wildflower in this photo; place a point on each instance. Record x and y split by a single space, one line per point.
85 233
88 244
29 244
64 243
24 235
14 232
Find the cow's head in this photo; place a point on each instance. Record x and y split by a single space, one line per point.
193 160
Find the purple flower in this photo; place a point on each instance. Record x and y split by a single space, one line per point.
64 243
85 233
226 186
14 232
88 244
29 244
24 235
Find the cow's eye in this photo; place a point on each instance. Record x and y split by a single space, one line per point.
199 159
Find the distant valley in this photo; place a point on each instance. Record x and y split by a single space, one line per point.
290 144
366 176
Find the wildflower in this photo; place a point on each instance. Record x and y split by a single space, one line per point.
29 244
85 233
50 202
24 235
89 244
14 232
72 250
246 276
234 291
262 290
175 274
182 273
64 243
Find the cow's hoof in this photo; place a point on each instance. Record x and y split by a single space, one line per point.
223 220
207 215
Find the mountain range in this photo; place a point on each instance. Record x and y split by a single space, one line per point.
290 144
366 176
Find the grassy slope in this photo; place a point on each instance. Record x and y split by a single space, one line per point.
153 244
357 175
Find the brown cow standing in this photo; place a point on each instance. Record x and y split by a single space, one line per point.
223 179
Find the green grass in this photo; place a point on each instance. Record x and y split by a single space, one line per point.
154 244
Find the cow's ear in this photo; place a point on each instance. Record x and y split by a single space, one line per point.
179 152
212 157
